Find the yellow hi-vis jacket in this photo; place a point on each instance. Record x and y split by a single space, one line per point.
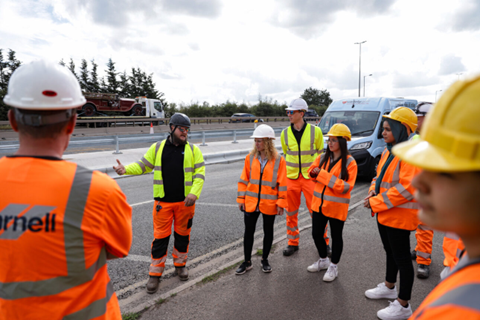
193 166
311 145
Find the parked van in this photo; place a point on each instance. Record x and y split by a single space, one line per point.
363 116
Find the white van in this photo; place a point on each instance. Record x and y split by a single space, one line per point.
363 118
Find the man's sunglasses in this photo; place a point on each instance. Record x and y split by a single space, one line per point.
291 111
184 129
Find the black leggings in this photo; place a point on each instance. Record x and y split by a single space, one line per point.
396 243
250 224
319 222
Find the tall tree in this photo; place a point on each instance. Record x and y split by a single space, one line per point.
6 70
315 97
124 85
94 84
112 82
71 66
61 62
84 81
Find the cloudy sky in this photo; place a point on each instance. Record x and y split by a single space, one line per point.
219 50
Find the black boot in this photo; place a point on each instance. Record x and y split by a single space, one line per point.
289 250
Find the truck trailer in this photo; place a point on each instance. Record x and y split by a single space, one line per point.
110 105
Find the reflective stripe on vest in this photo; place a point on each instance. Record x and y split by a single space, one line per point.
272 184
312 150
77 274
147 163
262 196
191 169
464 296
331 198
95 309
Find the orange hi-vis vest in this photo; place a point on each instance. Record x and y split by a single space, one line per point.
59 223
266 190
456 297
395 206
331 193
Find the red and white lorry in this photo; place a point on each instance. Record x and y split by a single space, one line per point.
108 105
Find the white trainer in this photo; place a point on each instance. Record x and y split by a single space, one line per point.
321 264
395 311
382 292
331 273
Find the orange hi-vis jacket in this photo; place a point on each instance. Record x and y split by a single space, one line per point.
456 297
453 249
59 223
394 205
334 191
266 190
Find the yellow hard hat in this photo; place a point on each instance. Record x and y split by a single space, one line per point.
450 139
404 115
339 130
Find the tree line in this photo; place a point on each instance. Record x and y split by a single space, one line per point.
139 83
317 100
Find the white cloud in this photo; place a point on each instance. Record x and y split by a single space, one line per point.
218 50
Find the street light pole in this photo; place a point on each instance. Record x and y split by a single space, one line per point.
371 74
458 74
436 94
359 64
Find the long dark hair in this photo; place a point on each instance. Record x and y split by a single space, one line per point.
344 153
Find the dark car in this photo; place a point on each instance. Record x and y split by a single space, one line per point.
310 113
243 117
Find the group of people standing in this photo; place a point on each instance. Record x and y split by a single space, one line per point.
71 220
325 179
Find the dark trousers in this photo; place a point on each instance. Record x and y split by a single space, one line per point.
250 224
319 222
396 243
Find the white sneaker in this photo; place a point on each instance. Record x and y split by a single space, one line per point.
331 273
382 292
321 264
395 311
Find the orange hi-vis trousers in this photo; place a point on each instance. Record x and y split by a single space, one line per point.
294 190
181 217
424 236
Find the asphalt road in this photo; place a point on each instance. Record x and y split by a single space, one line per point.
218 231
217 221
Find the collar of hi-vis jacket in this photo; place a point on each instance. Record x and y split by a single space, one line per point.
312 149
272 184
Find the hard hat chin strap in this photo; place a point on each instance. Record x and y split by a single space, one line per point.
37 120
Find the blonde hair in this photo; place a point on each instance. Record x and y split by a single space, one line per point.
270 150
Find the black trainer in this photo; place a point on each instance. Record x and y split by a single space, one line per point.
423 271
244 267
329 251
289 250
414 255
266 266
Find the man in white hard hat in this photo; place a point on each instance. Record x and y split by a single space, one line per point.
424 235
59 222
301 144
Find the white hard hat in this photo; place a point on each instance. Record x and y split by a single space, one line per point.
263 131
298 104
423 108
43 85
